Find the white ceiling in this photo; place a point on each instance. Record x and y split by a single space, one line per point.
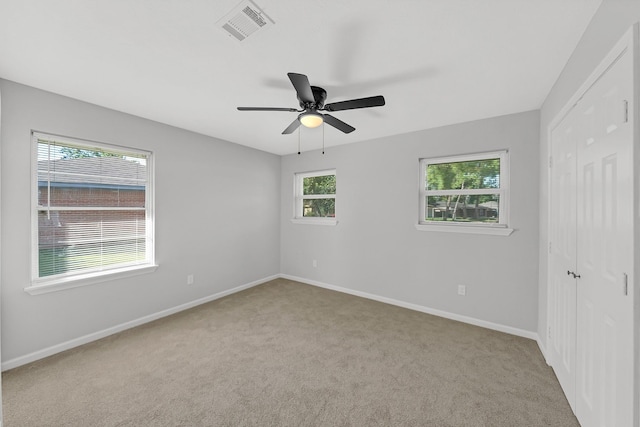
437 62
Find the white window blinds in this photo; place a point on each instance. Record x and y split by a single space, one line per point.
91 207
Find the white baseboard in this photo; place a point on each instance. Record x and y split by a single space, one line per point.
543 350
49 351
458 317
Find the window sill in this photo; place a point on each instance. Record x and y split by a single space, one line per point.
468 229
44 286
315 221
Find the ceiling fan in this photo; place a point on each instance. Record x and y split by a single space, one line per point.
311 100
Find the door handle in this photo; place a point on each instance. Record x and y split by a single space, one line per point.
575 276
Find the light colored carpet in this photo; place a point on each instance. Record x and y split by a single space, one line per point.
289 354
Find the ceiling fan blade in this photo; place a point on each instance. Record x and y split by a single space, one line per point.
338 124
293 126
372 101
266 109
301 83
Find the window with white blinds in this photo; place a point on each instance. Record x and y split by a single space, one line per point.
92 208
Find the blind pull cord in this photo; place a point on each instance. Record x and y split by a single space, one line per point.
48 180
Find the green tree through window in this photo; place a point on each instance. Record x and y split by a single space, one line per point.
317 185
315 195
79 153
463 189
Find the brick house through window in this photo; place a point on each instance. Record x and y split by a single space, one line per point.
112 227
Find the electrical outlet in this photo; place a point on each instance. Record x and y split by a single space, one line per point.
190 279
462 290
315 263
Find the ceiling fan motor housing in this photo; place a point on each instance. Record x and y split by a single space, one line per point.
319 95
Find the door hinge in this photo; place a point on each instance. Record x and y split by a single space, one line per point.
550 161
625 284
549 247
625 106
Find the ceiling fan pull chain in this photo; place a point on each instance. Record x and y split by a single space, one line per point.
322 137
298 141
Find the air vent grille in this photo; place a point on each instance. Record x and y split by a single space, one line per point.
244 20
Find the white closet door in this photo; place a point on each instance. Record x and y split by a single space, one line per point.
604 364
562 286
591 292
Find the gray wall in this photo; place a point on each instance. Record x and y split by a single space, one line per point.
375 247
217 217
613 19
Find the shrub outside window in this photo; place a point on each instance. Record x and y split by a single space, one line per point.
467 190
91 211
315 196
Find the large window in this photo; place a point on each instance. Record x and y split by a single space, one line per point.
465 191
315 197
91 211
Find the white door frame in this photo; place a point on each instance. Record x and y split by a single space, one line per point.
0 241
630 41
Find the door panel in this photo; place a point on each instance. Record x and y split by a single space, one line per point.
605 247
586 353
589 212
562 287
610 371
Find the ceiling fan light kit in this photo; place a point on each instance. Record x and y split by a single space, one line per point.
311 99
311 119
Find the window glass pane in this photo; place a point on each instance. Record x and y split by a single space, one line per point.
325 184
463 208
475 174
92 212
83 195
72 176
89 240
320 208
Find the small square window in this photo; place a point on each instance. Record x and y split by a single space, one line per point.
315 197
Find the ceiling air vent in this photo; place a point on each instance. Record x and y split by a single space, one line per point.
245 19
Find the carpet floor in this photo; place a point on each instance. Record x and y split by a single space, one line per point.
289 354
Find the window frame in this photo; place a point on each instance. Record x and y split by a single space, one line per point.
501 228
298 196
39 285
